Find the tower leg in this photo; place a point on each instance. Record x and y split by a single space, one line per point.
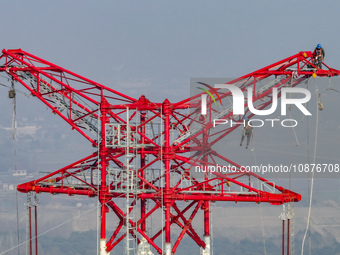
36 227
144 248
206 251
288 235
102 247
167 190
103 153
30 227
29 224
168 248
143 174
207 237
283 237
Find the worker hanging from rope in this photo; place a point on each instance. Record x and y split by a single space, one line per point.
247 131
319 55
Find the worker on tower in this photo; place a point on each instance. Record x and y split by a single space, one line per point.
319 55
247 131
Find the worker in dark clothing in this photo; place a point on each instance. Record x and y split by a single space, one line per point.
247 132
319 55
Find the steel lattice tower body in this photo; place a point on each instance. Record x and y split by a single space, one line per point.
144 151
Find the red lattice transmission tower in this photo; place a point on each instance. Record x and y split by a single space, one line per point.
145 152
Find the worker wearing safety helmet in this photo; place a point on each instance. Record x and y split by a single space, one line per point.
319 55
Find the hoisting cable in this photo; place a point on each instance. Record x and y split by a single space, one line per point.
289 215
6 86
294 132
330 86
261 208
308 161
290 110
53 228
312 179
11 94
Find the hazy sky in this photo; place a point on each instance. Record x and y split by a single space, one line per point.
148 46
155 47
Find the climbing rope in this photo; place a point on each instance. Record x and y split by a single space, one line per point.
12 95
261 208
293 127
312 179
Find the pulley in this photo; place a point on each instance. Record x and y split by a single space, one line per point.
320 104
11 93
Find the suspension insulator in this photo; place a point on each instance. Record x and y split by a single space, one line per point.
320 105
11 93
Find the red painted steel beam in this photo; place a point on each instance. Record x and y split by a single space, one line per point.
166 160
172 157
19 56
187 225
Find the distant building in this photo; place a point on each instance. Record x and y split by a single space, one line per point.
20 173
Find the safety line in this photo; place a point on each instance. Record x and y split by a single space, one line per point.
261 208
47 231
312 179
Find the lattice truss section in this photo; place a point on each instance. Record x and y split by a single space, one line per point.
145 152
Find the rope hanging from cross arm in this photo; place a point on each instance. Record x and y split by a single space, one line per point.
312 179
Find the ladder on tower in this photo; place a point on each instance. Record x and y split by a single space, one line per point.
131 189
124 179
